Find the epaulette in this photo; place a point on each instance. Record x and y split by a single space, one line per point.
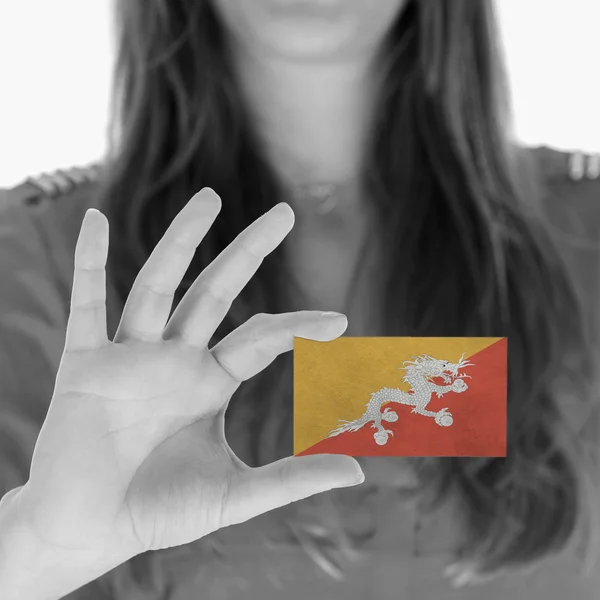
51 185
554 164
567 165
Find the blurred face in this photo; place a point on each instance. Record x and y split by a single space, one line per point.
308 29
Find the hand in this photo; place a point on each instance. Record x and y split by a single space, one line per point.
132 455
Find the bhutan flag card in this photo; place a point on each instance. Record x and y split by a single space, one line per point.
400 396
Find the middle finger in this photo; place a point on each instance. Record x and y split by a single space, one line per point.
150 301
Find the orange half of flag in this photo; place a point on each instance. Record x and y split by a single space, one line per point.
400 396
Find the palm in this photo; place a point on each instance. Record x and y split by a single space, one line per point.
188 464
181 491
132 453
149 388
142 429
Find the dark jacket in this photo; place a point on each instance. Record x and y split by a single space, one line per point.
39 224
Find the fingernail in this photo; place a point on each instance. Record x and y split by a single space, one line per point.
358 481
283 208
332 315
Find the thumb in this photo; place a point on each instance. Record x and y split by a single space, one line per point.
261 489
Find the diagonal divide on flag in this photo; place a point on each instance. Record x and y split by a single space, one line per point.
351 396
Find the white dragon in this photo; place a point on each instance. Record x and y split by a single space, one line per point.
419 374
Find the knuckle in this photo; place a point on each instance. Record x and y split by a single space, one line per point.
218 293
271 329
139 335
180 235
247 247
85 268
182 243
94 304
252 238
154 289
260 329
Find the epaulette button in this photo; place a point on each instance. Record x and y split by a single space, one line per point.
61 181
583 165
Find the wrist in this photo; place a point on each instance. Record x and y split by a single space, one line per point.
31 569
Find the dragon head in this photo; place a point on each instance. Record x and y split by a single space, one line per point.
429 367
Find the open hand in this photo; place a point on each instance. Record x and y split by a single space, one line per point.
132 455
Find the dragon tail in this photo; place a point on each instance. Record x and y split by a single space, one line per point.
348 426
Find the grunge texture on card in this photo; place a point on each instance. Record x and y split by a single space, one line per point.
400 396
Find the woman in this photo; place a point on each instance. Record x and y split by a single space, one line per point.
434 227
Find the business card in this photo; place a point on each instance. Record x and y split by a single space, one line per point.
401 396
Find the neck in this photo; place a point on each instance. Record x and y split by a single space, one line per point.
311 118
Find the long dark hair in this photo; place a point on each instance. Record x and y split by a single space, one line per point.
462 220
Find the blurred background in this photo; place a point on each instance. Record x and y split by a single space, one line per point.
56 58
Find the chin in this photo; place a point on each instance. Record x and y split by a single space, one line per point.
310 37
308 29
311 48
